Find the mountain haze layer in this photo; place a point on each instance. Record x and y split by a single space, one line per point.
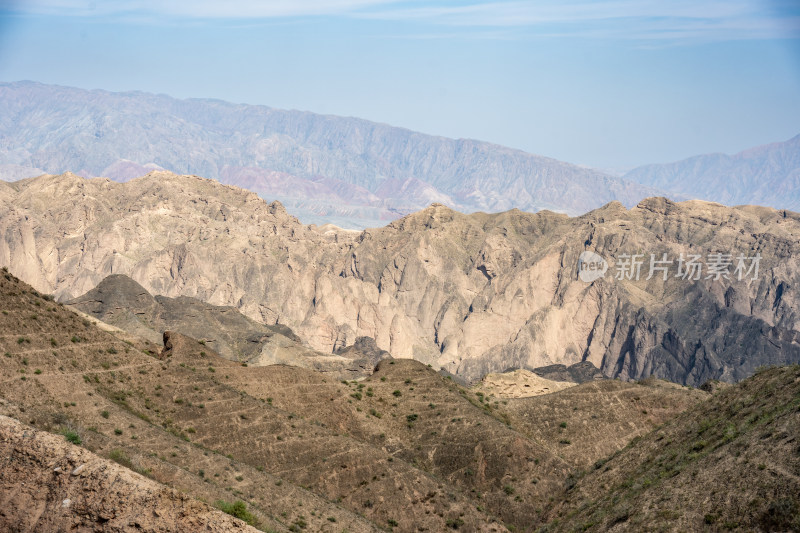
471 294
318 165
765 175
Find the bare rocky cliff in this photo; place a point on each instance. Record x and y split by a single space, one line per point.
472 294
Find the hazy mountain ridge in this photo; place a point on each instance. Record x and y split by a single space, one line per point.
95 132
765 175
472 294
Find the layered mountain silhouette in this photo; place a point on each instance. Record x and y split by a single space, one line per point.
324 168
765 175
470 294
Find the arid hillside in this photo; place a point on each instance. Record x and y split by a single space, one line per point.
731 463
471 294
67 488
404 448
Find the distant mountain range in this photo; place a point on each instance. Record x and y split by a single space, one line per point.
348 171
766 175
323 168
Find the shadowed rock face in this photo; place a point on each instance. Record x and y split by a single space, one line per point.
121 302
471 294
577 373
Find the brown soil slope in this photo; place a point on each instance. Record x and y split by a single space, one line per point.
589 422
731 463
60 372
48 484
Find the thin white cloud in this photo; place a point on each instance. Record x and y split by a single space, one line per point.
521 13
211 9
654 20
690 21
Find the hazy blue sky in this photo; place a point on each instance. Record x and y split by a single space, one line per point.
607 84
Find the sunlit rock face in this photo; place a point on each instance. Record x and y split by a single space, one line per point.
472 294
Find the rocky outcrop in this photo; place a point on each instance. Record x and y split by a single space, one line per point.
48 484
471 294
123 303
577 373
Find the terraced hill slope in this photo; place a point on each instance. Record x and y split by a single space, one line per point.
403 448
731 463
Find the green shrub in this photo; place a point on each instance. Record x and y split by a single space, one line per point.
455 523
239 510
72 436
